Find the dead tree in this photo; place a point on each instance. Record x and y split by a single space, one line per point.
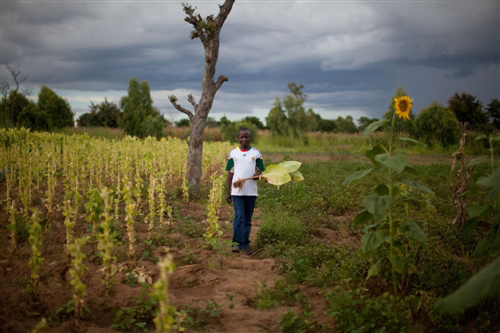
7 91
208 31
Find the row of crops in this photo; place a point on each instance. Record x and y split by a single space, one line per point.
100 187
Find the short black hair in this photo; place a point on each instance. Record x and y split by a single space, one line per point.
244 129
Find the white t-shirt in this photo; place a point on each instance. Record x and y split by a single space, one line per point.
244 163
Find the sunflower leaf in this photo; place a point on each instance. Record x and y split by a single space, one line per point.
373 126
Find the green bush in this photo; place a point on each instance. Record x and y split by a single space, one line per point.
282 293
437 124
278 226
356 312
319 265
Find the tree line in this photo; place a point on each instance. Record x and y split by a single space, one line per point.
288 117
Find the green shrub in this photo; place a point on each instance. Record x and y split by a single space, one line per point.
437 124
320 265
356 312
293 323
137 317
440 272
278 226
282 293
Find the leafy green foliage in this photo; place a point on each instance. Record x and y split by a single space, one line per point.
283 293
288 117
140 117
58 110
137 317
290 322
280 226
437 124
483 284
467 109
198 318
106 114
355 311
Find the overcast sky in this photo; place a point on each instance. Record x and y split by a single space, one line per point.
350 55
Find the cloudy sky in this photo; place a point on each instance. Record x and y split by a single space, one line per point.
350 55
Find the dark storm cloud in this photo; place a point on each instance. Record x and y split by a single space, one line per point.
349 56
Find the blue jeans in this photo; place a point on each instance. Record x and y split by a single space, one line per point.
243 211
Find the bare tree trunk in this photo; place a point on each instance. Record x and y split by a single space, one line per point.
208 31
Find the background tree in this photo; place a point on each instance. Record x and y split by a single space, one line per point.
140 118
288 117
31 117
467 109
494 112
436 123
325 125
105 114
57 109
230 130
11 107
10 95
254 120
402 125
208 31
346 125
182 123
364 122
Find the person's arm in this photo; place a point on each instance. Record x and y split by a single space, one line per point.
229 182
259 167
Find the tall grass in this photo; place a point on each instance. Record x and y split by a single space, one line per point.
311 142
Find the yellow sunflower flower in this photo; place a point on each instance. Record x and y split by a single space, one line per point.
403 106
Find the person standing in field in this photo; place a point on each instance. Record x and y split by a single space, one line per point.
244 162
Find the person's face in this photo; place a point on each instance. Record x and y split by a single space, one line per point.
244 138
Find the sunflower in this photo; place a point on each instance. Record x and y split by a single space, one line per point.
403 106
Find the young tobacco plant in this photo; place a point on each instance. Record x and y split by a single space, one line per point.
383 207
94 208
12 226
129 195
213 233
165 318
69 222
106 240
76 273
36 260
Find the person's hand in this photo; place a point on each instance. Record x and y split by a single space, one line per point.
229 199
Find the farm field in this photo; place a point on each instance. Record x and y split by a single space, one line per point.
309 275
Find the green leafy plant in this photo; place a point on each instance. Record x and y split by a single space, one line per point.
491 143
94 208
166 317
356 311
282 293
137 317
36 259
483 284
76 273
213 233
290 322
107 240
198 318
381 207
487 212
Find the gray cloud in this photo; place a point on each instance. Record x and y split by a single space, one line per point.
349 56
